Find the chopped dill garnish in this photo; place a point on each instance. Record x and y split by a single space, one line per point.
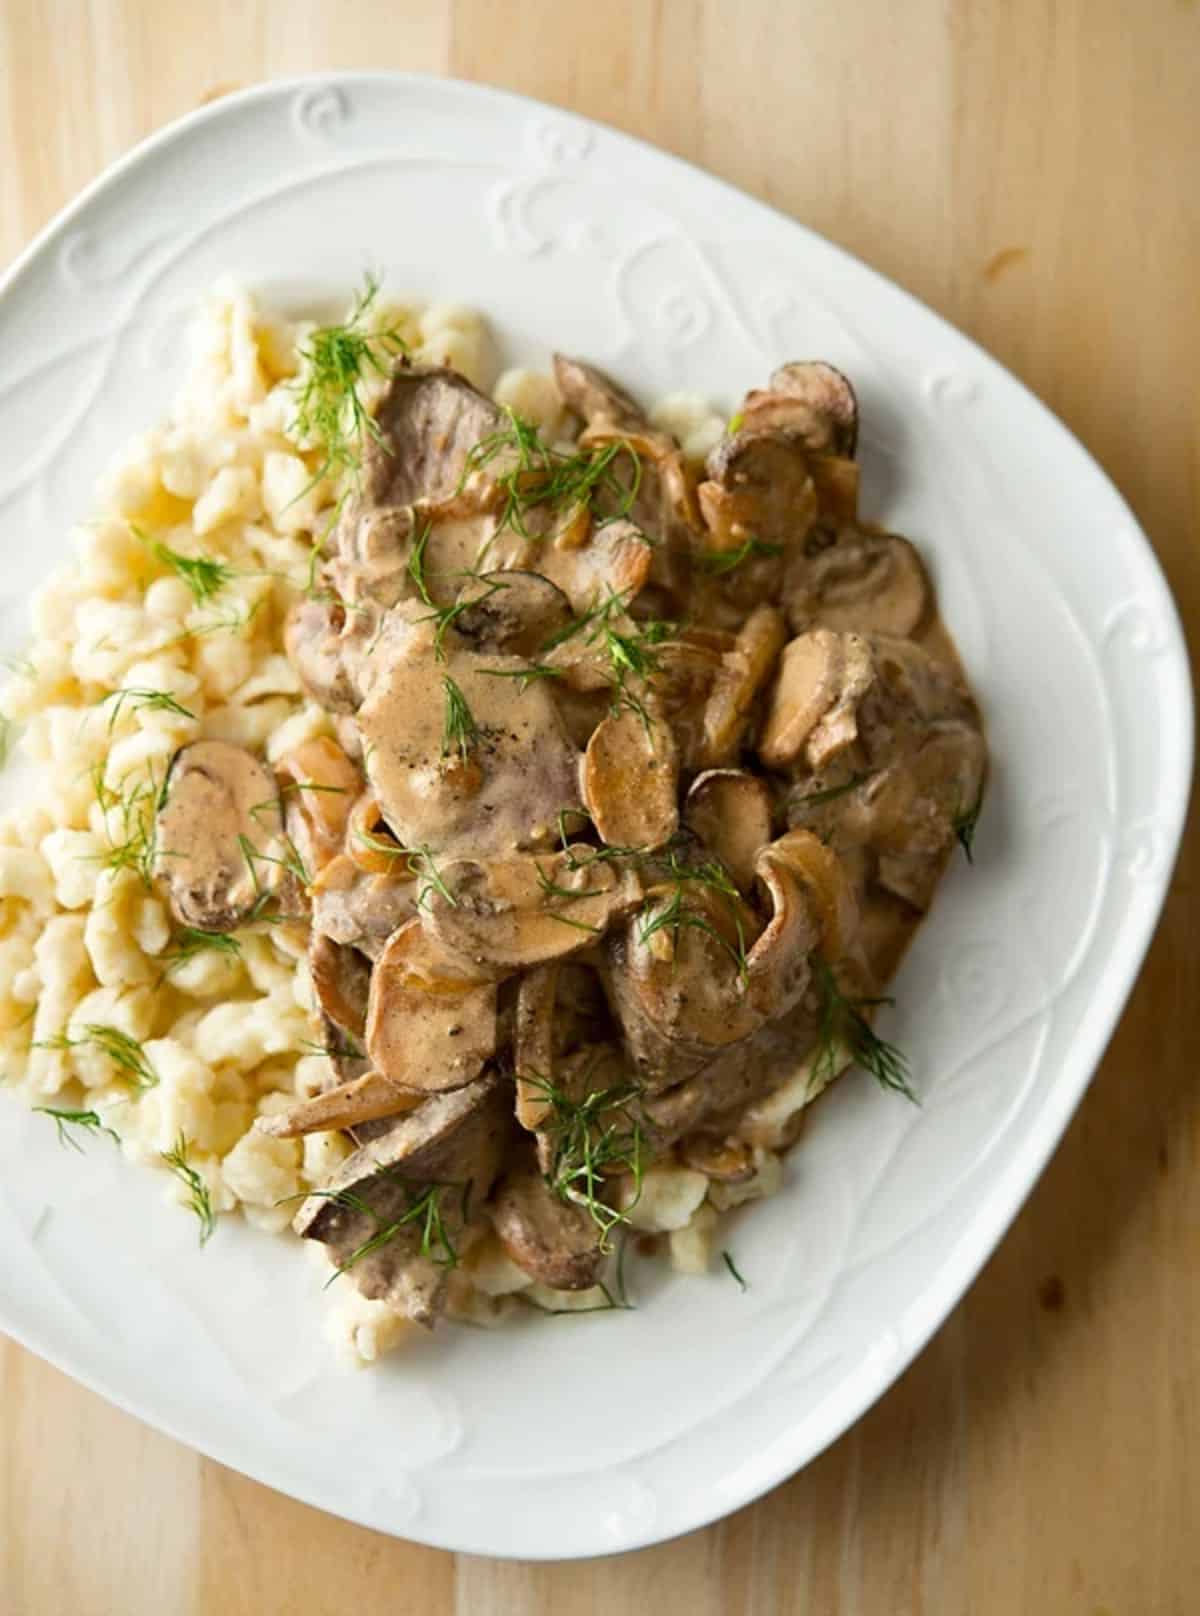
841 1026
716 563
124 1051
7 733
446 616
65 1120
813 799
736 422
425 1213
524 676
673 913
204 575
460 732
552 890
135 845
290 861
330 411
190 941
155 701
422 863
199 1199
544 476
231 619
416 563
592 1138
965 825
727 1259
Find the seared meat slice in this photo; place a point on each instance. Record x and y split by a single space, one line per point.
216 835
552 1239
429 421
414 1189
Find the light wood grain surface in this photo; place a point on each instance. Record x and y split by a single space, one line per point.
1032 170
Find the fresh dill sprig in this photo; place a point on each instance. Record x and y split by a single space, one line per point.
524 676
716 563
65 1120
841 1025
424 867
190 941
155 701
544 476
965 825
329 408
674 914
727 1259
135 846
592 1139
813 799
204 575
199 1199
230 619
551 889
123 1050
460 732
416 563
735 423
290 861
7 733
425 1212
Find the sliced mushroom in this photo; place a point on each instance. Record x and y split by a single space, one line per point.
615 560
341 979
812 399
497 784
512 612
374 545
427 423
431 1020
368 1098
321 784
912 806
508 914
533 1042
450 1149
552 1239
822 678
685 981
827 882
759 490
593 396
327 645
217 830
730 811
631 779
836 481
873 583
744 671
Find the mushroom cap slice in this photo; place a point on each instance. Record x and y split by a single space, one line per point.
759 488
216 834
594 397
730 811
367 1098
509 914
827 883
872 583
614 560
552 1239
520 770
533 1041
451 1146
822 678
744 671
512 612
341 979
812 399
431 1020
631 779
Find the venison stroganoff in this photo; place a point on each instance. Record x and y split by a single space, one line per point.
467 820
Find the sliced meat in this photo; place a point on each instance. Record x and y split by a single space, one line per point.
448 1151
595 398
327 644
217 831
552 1239
813 400
497 784
429 420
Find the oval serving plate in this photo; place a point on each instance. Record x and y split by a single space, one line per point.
580 1436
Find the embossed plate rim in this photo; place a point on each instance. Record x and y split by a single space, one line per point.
734 1477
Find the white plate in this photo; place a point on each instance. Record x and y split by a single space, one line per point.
579 1436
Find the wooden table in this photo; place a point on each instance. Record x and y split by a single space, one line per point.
1032 170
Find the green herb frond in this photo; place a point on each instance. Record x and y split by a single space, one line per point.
65 1120
123 1050
842 1026
965 825
139 699
672 912
727 1259
460 732
199 1198
717 563
593 1139
204 575
190 941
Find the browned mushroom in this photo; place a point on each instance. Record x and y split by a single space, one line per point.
631 779
827 884
552 1239
320 785
507 914
730 811
217 835
341 978
744 671
873 583
409 1194
368 1098
759 491
512 612
822 678
812 399
431 1019
359 909
533 1042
